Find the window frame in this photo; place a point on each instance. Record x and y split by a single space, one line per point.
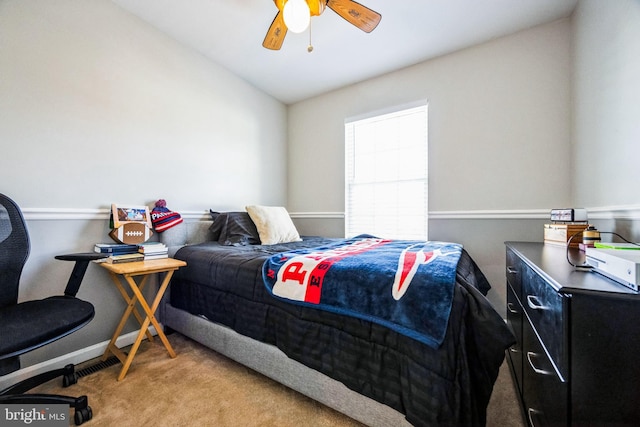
350 125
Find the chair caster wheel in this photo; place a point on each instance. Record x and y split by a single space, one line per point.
82 415
69 379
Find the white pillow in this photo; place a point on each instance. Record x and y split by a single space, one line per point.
274 224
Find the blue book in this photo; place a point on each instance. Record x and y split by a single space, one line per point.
115 248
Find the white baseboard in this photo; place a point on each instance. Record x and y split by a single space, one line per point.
74 358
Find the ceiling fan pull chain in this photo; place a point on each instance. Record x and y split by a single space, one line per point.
310 47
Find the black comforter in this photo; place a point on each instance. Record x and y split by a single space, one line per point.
450 385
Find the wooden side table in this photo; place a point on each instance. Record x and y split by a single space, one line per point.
128 271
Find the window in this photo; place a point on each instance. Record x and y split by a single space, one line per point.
386 175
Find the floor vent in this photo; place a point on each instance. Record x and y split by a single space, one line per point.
97 367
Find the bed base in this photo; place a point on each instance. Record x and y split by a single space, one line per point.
273 363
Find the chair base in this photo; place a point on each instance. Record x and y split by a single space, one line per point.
15 394
67 373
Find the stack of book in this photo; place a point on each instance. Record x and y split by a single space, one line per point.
153 250
121 252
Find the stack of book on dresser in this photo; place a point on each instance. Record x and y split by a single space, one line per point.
566 227
121 252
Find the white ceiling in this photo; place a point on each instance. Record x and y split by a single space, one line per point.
230 32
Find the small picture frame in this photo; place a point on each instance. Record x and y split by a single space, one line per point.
127 214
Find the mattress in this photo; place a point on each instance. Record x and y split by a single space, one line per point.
448 385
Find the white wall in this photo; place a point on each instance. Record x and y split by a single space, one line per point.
499 141
500 109
97 107
606 142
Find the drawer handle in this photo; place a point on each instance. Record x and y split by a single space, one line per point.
530 356
534 303
530 413
514 350
511 270
511 309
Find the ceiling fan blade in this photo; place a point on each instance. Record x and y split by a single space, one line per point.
275 36
360 16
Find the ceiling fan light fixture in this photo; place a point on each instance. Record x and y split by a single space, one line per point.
296 15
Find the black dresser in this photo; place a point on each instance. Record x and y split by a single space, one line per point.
577 357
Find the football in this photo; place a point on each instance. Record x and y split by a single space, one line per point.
131 233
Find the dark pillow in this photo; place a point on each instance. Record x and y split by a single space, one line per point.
215 228
234 228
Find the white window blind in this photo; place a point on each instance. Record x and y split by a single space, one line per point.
386 175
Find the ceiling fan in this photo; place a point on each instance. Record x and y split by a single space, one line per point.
355 13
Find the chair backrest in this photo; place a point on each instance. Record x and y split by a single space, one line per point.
14 250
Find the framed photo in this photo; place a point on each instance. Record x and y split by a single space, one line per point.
126 214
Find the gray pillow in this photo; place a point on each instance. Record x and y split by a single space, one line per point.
234 229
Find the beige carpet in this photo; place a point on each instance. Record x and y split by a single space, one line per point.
203 388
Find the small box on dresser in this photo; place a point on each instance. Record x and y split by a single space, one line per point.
574 360
560 234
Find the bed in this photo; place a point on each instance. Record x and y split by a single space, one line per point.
356 365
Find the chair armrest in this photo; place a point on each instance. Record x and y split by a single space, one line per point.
84 256
81 263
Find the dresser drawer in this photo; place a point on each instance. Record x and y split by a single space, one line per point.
544 394
515 315
547 310
514 272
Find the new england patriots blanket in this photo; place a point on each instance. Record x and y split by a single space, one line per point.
404 285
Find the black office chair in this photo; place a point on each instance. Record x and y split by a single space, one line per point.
28 325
